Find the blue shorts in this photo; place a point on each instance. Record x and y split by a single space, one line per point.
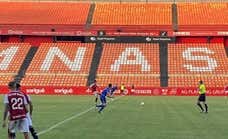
103 99
202 97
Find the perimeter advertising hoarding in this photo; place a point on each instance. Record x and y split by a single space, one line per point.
138 91
128 39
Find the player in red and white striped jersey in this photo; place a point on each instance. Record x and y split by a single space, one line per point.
16 105
29 114
95 90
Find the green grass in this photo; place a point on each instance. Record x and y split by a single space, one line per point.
159 118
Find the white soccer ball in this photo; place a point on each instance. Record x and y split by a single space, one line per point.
142 103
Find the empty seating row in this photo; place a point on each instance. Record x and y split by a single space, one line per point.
202 13
132 14
43 13
54 80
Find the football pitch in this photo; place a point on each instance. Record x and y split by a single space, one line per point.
161 117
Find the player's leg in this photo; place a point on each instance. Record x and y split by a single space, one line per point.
121 92
200 106
24 127
101 102
26 135
205 104
198 103
12 129
96 97
103 105
11 135
206 107
31 128
203 99
33 132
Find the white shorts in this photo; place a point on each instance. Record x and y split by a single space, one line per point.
29 119
20 125
96 93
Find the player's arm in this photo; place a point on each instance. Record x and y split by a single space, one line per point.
89 88
30 108
5 114
26 104
110 95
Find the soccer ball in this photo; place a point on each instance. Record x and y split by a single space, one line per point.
142 103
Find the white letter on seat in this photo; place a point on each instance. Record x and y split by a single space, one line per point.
139 60
73 65
7 55
212 63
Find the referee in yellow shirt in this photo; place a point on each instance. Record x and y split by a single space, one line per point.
202 97
122 89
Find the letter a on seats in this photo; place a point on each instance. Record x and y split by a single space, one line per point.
123 60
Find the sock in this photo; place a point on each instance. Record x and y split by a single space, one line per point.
96 99
102 107
33 132
99 105
12 135
206 107
200 106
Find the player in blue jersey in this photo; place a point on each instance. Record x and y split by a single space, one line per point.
104 93
113 89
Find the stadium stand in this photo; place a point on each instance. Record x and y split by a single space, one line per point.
202 15
54 65
44 13
68 16
189 63
131 14
60 64
11 58
136 64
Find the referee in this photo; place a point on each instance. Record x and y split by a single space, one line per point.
202 97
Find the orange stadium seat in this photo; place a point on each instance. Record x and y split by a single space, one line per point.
136 64
132 14
43 13
189 63
202 13
5 79
60 64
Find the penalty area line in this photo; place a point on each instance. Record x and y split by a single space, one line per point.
69 119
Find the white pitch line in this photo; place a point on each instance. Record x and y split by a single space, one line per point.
68 119
64 121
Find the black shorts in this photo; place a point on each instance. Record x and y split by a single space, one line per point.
202 97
